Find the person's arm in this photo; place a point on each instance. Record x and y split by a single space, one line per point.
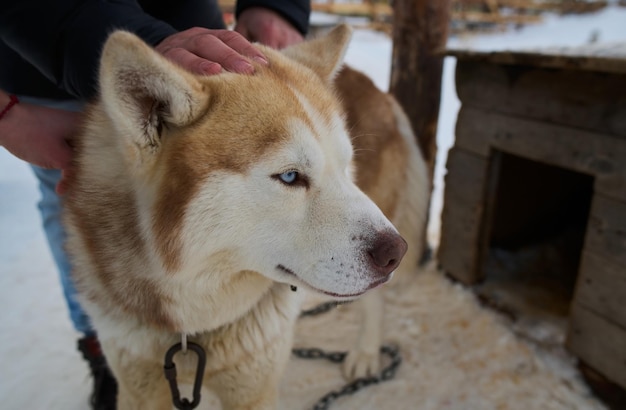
296 12
267 27
64 38
37 134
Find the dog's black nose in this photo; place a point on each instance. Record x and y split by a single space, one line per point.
386 252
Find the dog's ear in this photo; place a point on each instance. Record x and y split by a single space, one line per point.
323 55
143 92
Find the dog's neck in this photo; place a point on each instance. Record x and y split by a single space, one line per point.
273 317
198 310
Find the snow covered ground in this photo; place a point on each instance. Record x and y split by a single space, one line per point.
40 367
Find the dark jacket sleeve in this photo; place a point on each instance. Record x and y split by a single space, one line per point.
297 12
63 39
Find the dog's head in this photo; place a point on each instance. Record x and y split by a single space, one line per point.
251 170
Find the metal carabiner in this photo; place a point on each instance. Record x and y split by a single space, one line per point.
170 375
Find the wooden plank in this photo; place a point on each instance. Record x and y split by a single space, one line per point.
459 248
482 17
586 100
227 6
354 9
606 230
384 10
600 57
601 287
590 153
489 204
558 6
598 342
563 6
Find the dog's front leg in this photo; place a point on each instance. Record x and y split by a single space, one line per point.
141 384
133 397
363 358
238 391
252 382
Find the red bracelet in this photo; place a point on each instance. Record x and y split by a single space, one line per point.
13 100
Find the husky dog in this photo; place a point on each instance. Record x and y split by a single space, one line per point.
199 202
393 173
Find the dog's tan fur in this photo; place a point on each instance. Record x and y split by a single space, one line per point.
392 172
198 201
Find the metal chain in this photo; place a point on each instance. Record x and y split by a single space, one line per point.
354 386
323 308
387 373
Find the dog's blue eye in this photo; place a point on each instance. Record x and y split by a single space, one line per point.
293 179
288 177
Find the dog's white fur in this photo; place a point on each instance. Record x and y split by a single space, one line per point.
198 201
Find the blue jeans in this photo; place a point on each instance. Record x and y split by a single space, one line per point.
50 209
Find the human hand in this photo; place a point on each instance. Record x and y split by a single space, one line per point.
40 136
204 51
267 27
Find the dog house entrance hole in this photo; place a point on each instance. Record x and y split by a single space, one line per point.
533 233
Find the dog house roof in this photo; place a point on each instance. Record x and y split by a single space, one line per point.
602 57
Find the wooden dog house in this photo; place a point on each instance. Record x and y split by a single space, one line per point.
541 150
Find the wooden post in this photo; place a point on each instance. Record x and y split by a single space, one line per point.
420 33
